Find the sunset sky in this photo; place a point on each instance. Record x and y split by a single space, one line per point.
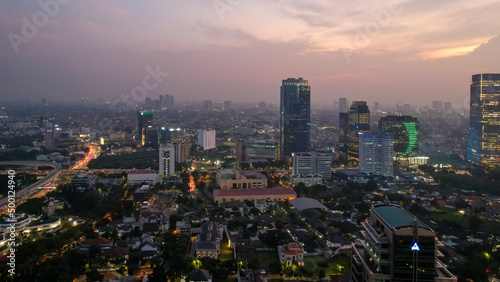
387 51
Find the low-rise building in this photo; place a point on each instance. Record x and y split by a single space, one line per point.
53 205
136 177
143 196
240 179
307 179
182 227
291 253
207 243
270 194
84 180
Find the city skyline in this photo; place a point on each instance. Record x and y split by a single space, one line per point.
107 55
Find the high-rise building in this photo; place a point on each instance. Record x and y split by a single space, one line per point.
182 146
396 246
405 131
167 161
171 103
206 139
343 132
152 138
144 120
447 106
226 105
437 105
343 105
241 151
376 153
376 106
165 103
359 121
304 163
207 105
295 116
161 101
49 138
483 144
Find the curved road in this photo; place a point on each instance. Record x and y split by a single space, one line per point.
30 191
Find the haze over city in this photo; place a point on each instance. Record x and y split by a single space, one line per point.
408 51
250 141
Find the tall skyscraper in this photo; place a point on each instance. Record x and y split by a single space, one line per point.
343 132
171 103
167 161
359 121
295 116
396 246
207 105
182 146
376 153
226 105
161 100
405 131
144 120
483 144
49 137
343 105
241 151
152 138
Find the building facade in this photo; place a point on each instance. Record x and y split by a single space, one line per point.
182 147
376 153
396 246
167 161
311 163
240 179
291 253
359 121
295 116
483 144
405 131
144 120
263 150
207 243
241 151
206 139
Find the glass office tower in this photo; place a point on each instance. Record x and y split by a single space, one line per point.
144 120
359 121
295 119
483 144
405 130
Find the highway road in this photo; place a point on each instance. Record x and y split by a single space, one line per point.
30 191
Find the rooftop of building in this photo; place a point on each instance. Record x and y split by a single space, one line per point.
141 171
254 192
233 173
396 216
307 203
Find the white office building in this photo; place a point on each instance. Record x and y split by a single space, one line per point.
206 139
312 163
376 152
167 161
